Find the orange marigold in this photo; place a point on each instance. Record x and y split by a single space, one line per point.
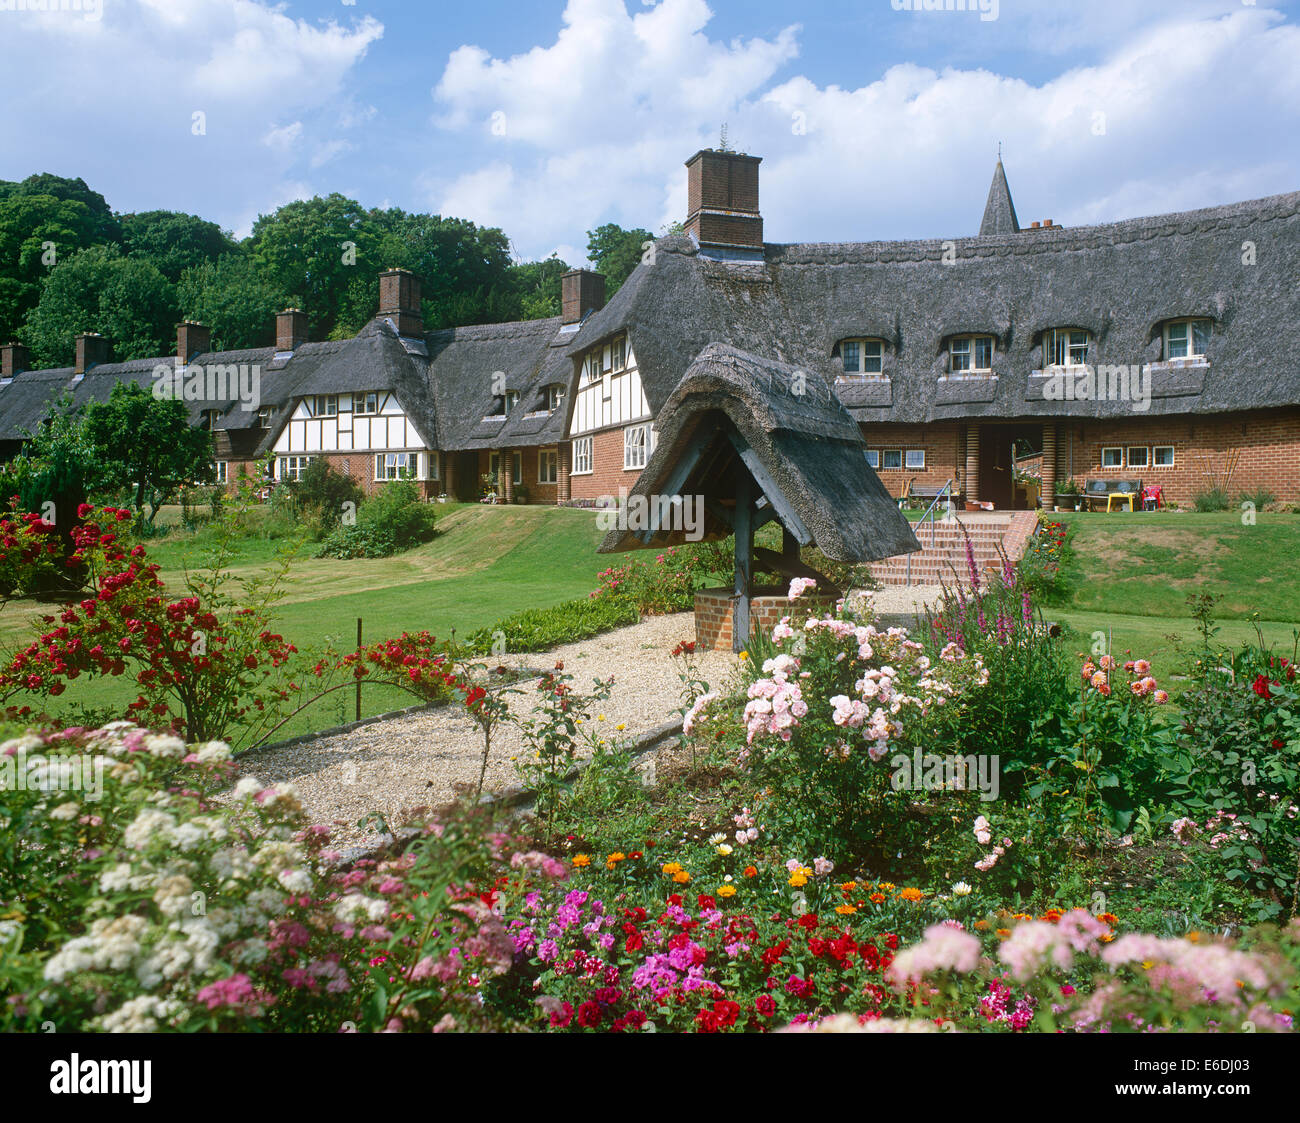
580 860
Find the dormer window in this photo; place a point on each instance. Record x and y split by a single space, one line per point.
862 356
554 398
365 403
209 419
1066 347
970 354
1187 339
325 405
264 417
608 358
505 403
512 399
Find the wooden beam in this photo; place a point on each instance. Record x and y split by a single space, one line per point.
744 583
792 567
675 479
789 518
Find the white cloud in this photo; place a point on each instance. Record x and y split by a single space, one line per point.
1175 112
330 150
283 137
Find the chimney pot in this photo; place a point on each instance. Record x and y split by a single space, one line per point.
92 349
399 301
1047 222
722 200
581 291
14 359
290 329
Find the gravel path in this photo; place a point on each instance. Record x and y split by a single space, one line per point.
416 760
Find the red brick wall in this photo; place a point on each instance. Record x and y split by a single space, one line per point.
1268 443
713 622
607 463
945 452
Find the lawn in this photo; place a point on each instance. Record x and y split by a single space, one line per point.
486 563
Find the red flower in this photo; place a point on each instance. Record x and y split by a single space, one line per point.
765 1004
1261 687
589 1015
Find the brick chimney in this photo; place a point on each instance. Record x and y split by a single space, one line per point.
581 291
192 339
92 349
14 359
399 301
290 329
722 201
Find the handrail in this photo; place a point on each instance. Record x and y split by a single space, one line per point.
929 511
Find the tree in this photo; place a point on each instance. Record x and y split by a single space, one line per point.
538 285
616 252
104 226
174 241
148 445
100 290
36 233
312 250
234 299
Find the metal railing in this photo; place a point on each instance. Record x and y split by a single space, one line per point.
930 515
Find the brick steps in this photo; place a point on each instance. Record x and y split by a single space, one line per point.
942 559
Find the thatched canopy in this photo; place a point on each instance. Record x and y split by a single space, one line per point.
736 417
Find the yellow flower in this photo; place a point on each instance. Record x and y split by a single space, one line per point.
887 886
724 849
798 880
845 910
849 886
580 860
681 877
744 654
672 868
622 725
613 859
911 895
726 890
600 717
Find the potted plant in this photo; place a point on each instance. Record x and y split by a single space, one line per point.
1069 496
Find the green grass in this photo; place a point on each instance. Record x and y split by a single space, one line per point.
486 563
1147 563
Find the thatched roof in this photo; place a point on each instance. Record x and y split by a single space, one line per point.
735 412
1119 280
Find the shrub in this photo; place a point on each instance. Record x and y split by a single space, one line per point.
540 629
327 493
397 518
1260 497
1212 499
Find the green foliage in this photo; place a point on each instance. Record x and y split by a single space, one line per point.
330 494
98 289
173 241
540 629
148 445
616 252
397 518
232 297
1260 497
1212 499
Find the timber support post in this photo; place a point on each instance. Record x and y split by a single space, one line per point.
744 585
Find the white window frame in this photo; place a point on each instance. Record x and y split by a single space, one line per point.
1112 448
1145 450
1189 337
969 352
292 467
1060 346
401 461
548 457
583 457
618 354
325 405
907 459
264 416
222 472
638 446
865 359
554 398
1155 456
433 465
364 397
873 458
885 466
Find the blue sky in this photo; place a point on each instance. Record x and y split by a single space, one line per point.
548 117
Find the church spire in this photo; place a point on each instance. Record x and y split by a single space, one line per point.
999 211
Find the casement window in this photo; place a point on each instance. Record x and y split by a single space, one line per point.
548 466
222 469
592 368
862 356
873 458
517 464
1112 458
326 405
1066 347
970 354
618 354
1187 339
554 398
365 403
433 465
292 467
264 417
638 444
397 466
512 399
1139 456
1163 456
582 458
915 460
891 459
208 419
